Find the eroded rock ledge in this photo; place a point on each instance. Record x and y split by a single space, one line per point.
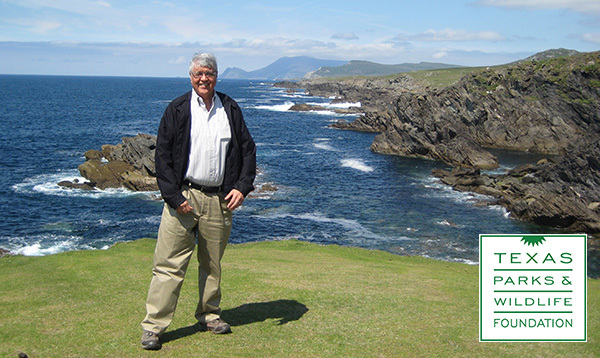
540 107
129 164
563 193
548 107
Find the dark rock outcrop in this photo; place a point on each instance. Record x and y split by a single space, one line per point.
374 94
562 194
549 107
305 107
539 107
75 184
533 107
138 151
105 175
129 164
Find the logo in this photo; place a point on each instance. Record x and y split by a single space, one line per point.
533 288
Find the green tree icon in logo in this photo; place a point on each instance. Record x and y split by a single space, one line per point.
533 240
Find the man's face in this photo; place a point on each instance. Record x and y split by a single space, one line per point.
204 80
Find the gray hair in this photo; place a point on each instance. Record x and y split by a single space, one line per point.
204 60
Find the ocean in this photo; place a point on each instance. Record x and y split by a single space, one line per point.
330 188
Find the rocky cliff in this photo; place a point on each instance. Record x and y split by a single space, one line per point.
549 107
537 107
563 193
128 164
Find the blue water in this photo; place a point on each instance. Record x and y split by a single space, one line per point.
331 188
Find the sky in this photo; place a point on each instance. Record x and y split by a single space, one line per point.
158 38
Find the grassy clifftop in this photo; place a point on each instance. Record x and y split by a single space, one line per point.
283 299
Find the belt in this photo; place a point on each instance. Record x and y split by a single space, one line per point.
202 188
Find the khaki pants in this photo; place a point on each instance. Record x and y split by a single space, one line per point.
211 221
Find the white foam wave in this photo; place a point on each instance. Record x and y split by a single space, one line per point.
323 146
357 164
294 95
277 107
42 245
47 184
464 261
445 191
354 229
148 220
38 250
344 105
330 110
450 224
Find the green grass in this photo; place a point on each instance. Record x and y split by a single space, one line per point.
283 299
444 77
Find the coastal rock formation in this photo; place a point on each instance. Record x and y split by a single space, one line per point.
137 151
304 107
374 94
129 164
538 107
562 194
549 107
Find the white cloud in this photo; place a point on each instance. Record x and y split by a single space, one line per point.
584 6
178 61
593 38
45 26
276 45
439 55
345 36
170 59
82 7
41 27
194 28
450 35
103 3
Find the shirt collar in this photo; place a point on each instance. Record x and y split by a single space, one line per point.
200 101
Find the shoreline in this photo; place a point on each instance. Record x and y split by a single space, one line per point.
593 249
457 123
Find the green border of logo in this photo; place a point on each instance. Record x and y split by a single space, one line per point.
531 240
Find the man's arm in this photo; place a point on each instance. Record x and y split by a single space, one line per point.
164 161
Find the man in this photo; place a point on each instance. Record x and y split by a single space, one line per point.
205 167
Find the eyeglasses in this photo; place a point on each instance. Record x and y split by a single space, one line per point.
199 74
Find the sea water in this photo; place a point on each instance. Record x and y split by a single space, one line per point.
330 188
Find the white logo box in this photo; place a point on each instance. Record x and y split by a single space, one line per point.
533 288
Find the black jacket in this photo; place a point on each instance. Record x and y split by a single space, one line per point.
173 149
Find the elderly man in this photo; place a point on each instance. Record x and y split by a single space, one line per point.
205 167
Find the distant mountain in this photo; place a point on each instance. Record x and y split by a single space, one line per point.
284 68
366 68
550 54
288 68
234 73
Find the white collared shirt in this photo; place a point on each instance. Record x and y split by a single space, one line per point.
209 139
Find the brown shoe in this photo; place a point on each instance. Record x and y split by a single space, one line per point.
150 341
217 326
